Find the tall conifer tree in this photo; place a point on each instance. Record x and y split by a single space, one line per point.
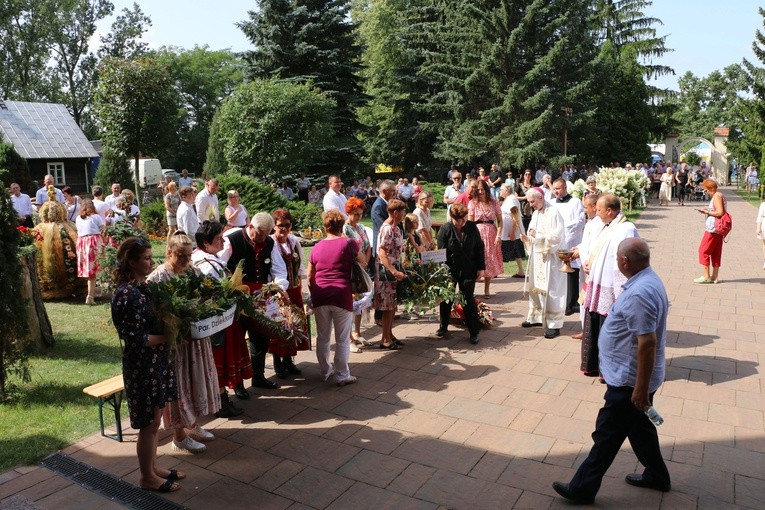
312 41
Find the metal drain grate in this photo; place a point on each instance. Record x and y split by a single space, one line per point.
107 485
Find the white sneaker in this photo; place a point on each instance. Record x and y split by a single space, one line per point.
188 445
201 435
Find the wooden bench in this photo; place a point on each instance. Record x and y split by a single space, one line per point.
109 392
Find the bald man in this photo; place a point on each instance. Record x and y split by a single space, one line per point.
632 362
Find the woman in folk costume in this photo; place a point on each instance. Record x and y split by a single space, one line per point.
546 284
604 280
292 254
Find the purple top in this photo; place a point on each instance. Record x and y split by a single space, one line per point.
332 260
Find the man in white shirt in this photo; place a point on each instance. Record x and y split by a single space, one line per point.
572 212
286 191
42 194
547 187
111 200
186 216
207 202
303 184
539 176
102 208
185 180
22 204
453 190
405 191
333 198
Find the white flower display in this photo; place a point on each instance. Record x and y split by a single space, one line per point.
628 185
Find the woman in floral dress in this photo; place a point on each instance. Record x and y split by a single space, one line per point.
389 245
147 371
485 212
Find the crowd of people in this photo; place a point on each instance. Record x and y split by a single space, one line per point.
492 219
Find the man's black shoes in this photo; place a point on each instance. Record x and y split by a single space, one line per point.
565 491
639 480
527 324
552 333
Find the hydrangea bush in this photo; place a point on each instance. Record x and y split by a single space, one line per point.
629 185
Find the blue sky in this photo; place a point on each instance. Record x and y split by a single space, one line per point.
706 35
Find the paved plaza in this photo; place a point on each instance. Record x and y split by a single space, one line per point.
444 424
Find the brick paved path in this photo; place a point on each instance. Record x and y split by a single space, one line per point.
443 424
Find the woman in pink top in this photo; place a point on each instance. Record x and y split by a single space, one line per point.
329 281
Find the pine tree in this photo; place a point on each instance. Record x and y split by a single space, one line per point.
392 132
312 41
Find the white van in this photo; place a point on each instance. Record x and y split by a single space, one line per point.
149 171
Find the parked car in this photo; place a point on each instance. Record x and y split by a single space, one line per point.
170 174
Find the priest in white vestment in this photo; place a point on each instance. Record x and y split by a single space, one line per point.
546 284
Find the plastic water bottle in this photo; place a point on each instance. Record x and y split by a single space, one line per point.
654 416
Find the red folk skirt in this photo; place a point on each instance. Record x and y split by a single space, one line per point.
232 359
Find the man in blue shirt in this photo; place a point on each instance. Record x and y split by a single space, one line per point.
632 362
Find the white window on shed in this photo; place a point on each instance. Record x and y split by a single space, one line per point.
57 171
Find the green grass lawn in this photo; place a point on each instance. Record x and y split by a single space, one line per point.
752 198
51 412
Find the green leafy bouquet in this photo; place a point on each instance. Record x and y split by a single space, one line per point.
191 297
426 284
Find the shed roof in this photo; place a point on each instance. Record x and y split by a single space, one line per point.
43 131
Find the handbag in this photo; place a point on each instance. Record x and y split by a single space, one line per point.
724 224
361 283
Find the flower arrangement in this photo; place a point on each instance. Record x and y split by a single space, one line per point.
425 285
485 315
278 319
629 185
191 297
28 236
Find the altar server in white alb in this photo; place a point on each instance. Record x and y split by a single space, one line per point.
572 211
546 284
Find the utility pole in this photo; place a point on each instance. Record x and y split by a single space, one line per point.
567 110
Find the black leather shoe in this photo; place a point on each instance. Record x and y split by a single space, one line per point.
638 480
262 382
552 333
289 366
527 324
241 392
440 332
565 492
474 339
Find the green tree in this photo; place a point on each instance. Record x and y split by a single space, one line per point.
269 127
136 106
16 168
622 122
202 78
113 167
71 30
25 37
751 148
312 41
124 39
215 160
392 132
624 25
13 313
506 78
